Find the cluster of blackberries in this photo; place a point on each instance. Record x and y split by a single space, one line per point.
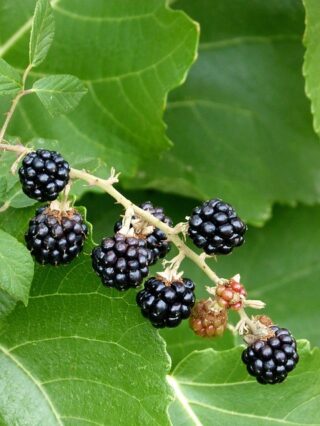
215 227
123 261
270 361
54 236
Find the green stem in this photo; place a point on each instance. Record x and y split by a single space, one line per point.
15 102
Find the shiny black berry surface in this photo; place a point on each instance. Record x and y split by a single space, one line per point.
121 262
215 227
55 238
157 241
43 174
166 305
270 361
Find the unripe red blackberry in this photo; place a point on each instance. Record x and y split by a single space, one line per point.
231 295
270 360
165 303
215 227
56 237
157 241
44 174
121 262
206 320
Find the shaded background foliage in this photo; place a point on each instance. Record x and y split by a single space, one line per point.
241 129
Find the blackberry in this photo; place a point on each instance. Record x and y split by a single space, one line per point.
166 304
270 361
215 227
206 321
43 174
121 262
56 237
157 241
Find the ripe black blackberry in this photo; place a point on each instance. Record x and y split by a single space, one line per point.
56 237
270 361
166 304
215 227
157 241
121 261
44 174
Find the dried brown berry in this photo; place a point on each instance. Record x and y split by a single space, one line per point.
208 321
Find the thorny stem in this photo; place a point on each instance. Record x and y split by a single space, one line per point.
107 186
172 236
20 149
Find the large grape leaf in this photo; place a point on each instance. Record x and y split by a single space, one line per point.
312 58
129 54
241 124
79 353
214 388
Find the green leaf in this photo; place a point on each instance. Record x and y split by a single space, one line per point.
60 94
312 59
7 304
76 345
15 221
181 341
214 388
16 268
241 124
42 32
10 79
3 187
10 188
130 57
